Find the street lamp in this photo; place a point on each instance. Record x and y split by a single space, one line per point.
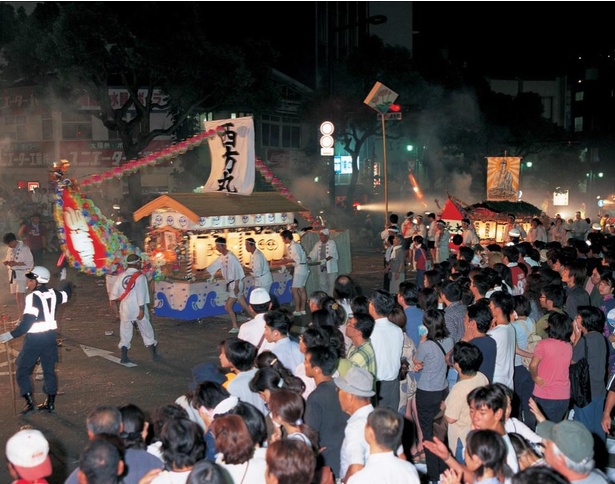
592 175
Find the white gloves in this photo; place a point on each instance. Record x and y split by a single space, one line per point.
5 337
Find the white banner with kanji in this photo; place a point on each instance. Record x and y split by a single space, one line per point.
232 156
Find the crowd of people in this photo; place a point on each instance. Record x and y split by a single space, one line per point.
458 367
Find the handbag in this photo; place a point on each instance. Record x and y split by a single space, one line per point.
404 368
580 385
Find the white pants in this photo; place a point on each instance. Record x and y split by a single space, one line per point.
145 327
326 280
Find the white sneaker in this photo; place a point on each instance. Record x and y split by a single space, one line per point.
298 313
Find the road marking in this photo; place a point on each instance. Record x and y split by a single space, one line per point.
107 355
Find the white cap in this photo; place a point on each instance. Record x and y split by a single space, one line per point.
596 226
28 451
514 233
259 296
324 231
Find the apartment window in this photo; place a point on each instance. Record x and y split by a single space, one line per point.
578 124
578 96
76 126
15 127
240 114
281 131
47 125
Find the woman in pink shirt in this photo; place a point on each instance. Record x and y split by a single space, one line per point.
549 368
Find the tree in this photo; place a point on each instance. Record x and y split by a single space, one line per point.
354 121
81 48
447 107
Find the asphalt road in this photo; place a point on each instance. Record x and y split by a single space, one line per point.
89 372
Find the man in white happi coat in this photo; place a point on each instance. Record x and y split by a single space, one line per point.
325 252
470 239
229 266
131 289
259 266
19 260
295 255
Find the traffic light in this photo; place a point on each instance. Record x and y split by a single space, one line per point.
394 112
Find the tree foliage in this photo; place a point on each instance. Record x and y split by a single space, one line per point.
86 47
446 108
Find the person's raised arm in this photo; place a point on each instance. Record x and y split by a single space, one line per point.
438 448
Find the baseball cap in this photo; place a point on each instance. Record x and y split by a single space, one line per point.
357 381
514 233
572 439
324 231
259 296
596 226
28 451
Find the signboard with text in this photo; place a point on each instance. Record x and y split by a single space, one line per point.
80 153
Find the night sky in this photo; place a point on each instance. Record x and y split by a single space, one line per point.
498 38
515 38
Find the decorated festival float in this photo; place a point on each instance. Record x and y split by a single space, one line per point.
183 226
490 217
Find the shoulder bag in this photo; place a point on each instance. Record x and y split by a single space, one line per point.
580 385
